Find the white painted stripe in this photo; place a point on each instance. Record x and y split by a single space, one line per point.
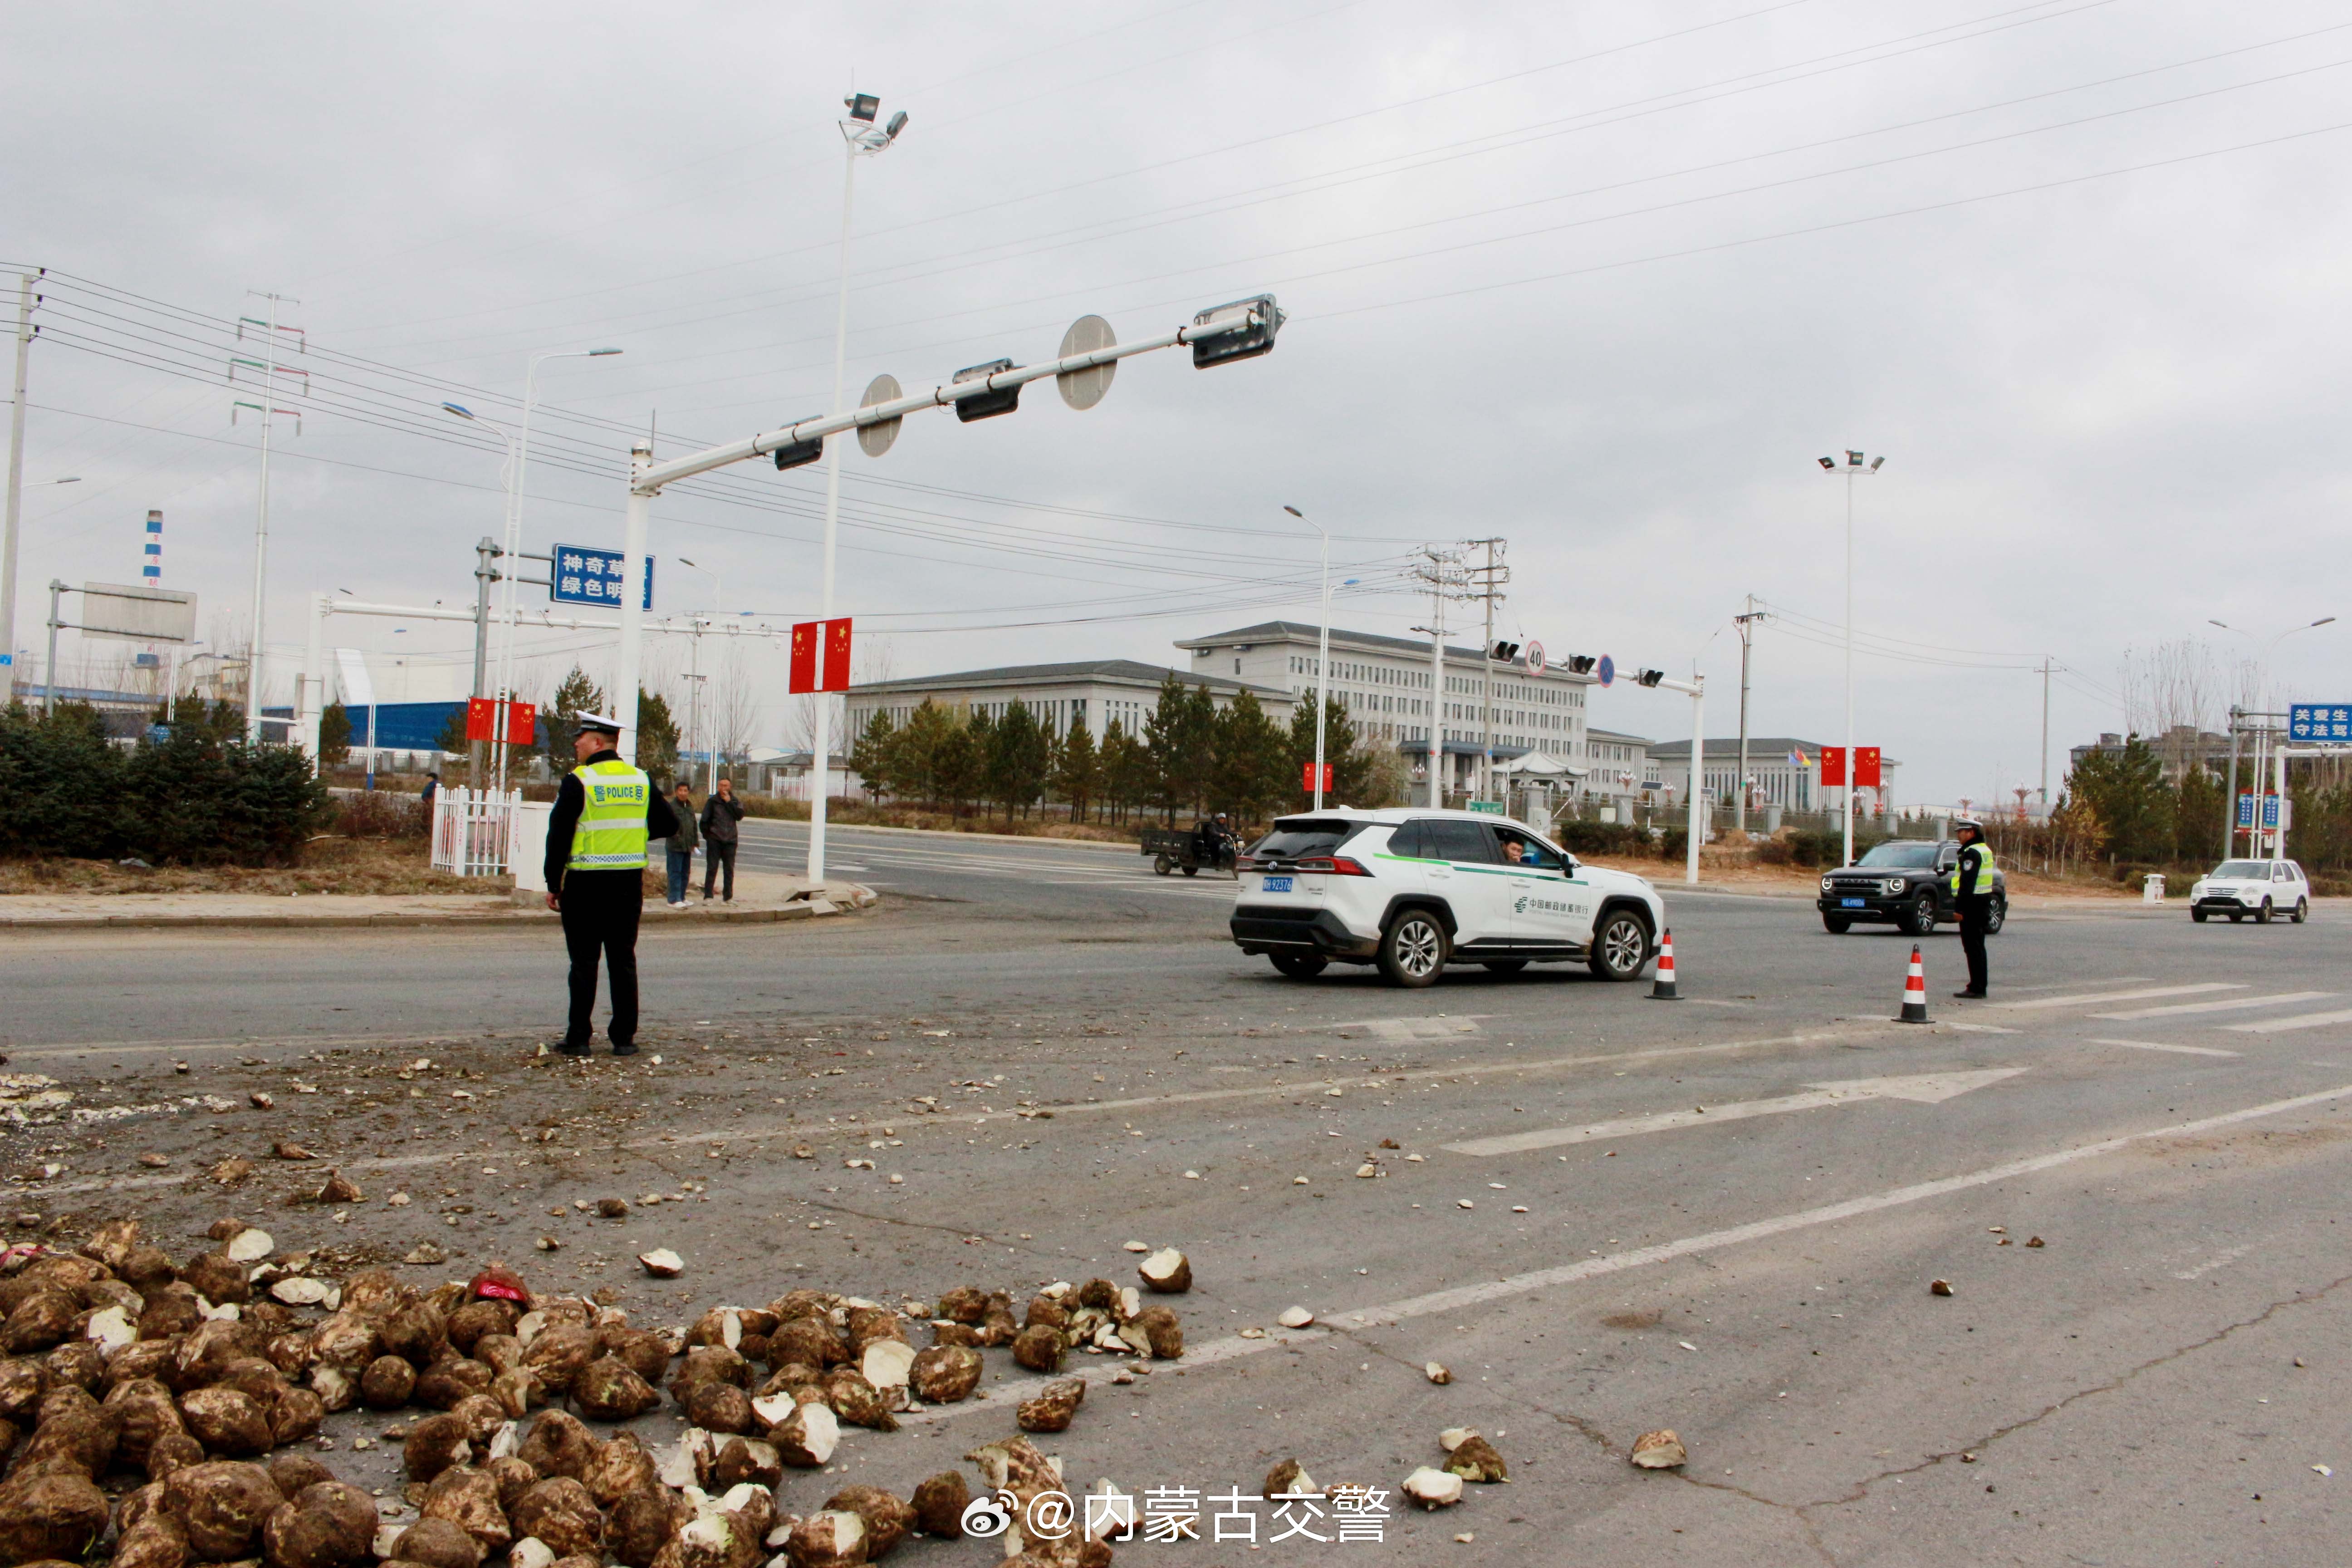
2121 996
1927 1088
1981 1029
2228 1004
2300 1021
1464 1298
2153 1046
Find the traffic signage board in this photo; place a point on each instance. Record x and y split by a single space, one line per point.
1491 807
2270 811
1534 656
584 575
1608 669
2319 722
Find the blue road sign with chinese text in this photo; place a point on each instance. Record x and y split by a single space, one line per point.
582 575
2319 722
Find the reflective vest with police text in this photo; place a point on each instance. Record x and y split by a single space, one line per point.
611 834
1983 887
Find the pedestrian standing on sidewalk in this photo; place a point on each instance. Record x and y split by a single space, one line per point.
719 816
606 813
1972 885
681 848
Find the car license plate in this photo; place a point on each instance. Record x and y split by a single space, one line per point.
1277 885
1854 903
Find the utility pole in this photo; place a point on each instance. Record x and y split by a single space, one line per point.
2230 817
1441 569
1746 624
270 371
1491 576
15 489
486 572
2045 736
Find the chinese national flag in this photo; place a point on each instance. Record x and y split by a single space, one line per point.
1306 777
820 660
482 724
1833 764
1866 767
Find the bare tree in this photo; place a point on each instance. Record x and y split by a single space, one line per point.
730 706
2173 695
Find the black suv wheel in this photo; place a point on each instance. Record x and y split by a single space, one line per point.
1919 916
1620 946
1300 965
1412 949
1997 915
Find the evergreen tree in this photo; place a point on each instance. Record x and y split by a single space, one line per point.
1349 764
959 761
657 738
451 741
2132 802
575 695
916 750
1078 769
1126 770
1250 769
334 735
1019 754
871 755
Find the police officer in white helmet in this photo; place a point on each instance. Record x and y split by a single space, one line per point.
605 811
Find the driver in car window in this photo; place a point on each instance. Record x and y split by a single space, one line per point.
1514 851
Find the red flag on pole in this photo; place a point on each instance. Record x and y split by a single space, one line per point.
1306 777
482 724
1866 767
1833 764
802 673
836 656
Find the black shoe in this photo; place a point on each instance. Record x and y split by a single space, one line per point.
569 1050
624 1049
1969 995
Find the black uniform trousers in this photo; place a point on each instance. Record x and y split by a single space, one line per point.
601 910
1976 914
718 852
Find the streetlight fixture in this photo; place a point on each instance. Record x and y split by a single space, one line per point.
859 138
1322 652
1855 467
499 725
694 709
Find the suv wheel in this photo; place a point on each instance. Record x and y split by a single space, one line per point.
1300 965
1836 925
2262 915
1620 946
2197 915
2302 907
1919 919
1997 916
1412 949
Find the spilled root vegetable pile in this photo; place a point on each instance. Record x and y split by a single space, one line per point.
125 1365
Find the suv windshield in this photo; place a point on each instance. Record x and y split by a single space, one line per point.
2258 869
1296 835
1912 855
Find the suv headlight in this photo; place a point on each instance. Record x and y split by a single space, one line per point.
1826 885
1892 885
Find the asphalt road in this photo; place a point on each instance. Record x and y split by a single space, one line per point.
1721 1215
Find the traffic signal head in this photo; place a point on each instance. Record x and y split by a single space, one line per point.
986 405
1504 652
799 453
1650 677
1245 343
1580 663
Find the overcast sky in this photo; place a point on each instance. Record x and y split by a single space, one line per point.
1602 280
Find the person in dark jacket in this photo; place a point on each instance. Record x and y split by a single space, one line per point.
605 813
681 847
1972 885
432 788
719 816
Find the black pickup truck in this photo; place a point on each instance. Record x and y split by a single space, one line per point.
1906 882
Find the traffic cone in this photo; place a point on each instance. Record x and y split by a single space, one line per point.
1914 992
1663 988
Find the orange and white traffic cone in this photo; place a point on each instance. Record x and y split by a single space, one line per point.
1914 992
1663 988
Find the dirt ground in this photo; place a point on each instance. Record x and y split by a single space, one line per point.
328 866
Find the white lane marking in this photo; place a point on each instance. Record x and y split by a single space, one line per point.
2181 1051
2104 996
2300 1021
2225 1257
1926 1088
1466 1298
2228 1004
1982 1028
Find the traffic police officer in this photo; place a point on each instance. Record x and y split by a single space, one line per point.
1972 884
605 810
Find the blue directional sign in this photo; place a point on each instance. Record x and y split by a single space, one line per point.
2270 811
2319 722
582 575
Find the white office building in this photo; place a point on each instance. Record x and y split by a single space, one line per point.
1091 692
1385 683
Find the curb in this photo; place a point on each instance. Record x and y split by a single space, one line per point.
862 901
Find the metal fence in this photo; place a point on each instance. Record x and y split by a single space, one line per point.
473 830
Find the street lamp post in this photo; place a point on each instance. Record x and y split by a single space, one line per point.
2261 678
514 544
694 704
1854 468
474 770
1322 652
860 137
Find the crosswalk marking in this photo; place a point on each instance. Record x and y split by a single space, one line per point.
2095 999
2228 1004
2300 1021
2181 1050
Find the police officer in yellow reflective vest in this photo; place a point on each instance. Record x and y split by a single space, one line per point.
1972 885
605 810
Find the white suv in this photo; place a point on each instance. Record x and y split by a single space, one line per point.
2258 888
1410 888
